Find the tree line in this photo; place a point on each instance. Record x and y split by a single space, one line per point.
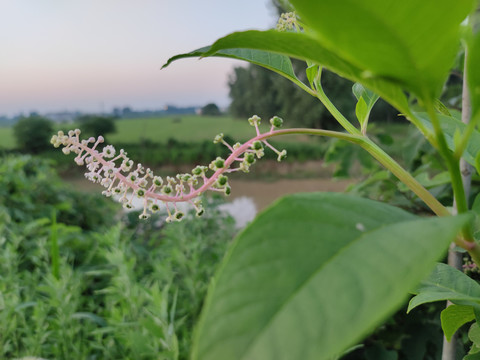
255 90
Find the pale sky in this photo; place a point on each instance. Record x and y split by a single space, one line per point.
92 54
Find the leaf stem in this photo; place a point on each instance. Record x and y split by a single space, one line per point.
451 160
320 94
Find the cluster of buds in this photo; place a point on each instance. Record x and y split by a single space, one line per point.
469 267
287 22
118 175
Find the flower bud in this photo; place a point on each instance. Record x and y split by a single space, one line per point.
218 138
282 155
254 120
199 170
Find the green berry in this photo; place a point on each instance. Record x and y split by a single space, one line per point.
249 158
257 145
197 171
219 163
276 121
222 180
167 189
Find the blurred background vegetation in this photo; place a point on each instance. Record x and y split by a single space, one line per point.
80 279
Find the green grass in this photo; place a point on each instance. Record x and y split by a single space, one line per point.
183 128
7 141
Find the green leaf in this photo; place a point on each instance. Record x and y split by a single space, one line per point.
447 283
441 108
89 316
361 111
449 125
305 47
476 205
473 73
408 41
314 274
477 162
275 62
474 356
474 334
453 317
312 72
366 101
362 92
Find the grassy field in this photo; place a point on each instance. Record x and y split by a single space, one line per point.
183 128
7 141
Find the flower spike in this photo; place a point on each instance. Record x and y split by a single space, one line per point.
117 173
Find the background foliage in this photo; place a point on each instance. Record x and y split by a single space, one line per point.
129 291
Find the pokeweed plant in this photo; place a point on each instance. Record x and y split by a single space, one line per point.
315 273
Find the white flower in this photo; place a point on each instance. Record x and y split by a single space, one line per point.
108 151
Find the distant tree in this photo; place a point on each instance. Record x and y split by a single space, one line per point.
33 133
255 90
210 110
117 112
95 125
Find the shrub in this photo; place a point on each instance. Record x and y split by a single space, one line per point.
33 134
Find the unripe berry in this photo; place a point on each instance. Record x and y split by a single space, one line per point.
276 121
257 145
249 158
222 180
167 190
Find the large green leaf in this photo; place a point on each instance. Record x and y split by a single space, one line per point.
305 47
413 42
450 125
314 274
447 283
276 62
